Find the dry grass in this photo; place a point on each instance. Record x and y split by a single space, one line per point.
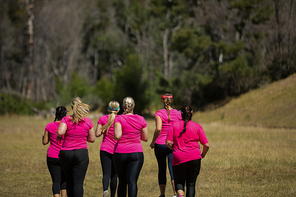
270 106
242 161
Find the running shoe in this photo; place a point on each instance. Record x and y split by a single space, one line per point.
106 194
175 195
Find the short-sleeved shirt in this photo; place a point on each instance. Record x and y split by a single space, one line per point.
163 114
186 147
54 147
108 143
130 140
76 134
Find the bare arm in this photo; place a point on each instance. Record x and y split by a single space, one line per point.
117 131
45 139
91 135
61 131
205 149
99 130
158 126
169 144
144 134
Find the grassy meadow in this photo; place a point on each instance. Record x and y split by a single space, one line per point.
242 161
252 150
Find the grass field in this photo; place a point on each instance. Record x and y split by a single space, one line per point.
242 161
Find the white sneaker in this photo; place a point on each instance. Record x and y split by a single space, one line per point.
175 195
106 194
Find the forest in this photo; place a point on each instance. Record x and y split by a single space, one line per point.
203 51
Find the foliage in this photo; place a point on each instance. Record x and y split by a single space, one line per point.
201 51
12 104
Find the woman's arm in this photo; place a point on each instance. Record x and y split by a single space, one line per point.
158 125
169 144
99 130
45 139
205 149
91 135
144 134
117 131
61 131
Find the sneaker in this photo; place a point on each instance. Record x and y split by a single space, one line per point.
175 195
106 194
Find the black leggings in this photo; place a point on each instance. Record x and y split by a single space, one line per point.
188 172
57 175
128 167
161 153
74 163
109 172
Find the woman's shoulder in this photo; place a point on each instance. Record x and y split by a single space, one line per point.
160 112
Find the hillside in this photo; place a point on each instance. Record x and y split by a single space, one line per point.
273 105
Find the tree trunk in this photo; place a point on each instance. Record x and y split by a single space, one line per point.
31 88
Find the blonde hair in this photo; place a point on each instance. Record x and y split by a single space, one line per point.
113 109
167 99
128 104
80 110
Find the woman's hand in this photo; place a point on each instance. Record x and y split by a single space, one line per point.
152 145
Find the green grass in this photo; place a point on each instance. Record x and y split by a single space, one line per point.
273 105
252 151
242 161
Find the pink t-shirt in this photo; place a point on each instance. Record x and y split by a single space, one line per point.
130 141
163 114
54 147
76 134
186 147
108 142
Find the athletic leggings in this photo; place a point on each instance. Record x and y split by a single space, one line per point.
128 167
74 163
161 153
187 172
57 175
109 172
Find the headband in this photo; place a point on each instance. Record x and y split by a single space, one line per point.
164 96
117 108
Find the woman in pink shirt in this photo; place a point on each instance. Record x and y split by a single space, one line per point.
106 127
184 138
53 162
77 131
130 129
163 120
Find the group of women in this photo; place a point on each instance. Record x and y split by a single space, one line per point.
176 139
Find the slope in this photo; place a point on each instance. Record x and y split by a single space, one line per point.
273 105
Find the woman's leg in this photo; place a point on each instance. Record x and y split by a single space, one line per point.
55 170
170 159
179 178
113 184
81 161
66 160
106 164
120 162
192 173
160 154
109 172
134 167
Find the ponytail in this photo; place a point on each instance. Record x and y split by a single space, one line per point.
80 110
167 99
186 113
113 108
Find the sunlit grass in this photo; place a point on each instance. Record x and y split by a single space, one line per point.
242 161
269 106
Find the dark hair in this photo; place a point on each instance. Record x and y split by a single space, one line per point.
61 111
186 113
167 99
